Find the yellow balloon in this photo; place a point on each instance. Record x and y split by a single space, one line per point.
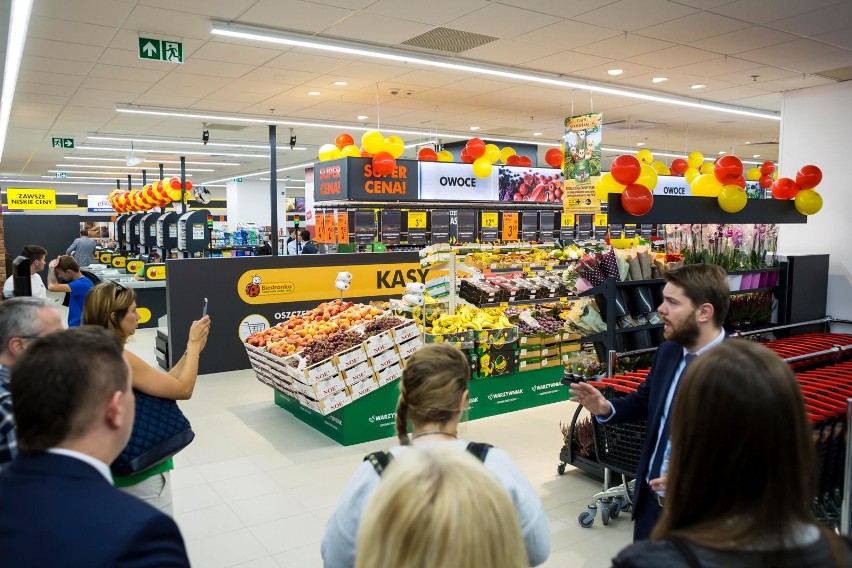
775 175
665 171
644 156
373 142
445 156
624 243
482 167
706 185
492 153
658 166
506 153
395 146
609 185
753 174
707 168
329 152
808 202
695 160
647 177
351 151
600 192
732 198
690 174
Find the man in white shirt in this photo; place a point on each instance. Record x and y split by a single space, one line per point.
37 256
58 506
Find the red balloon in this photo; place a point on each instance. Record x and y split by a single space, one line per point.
809 177
767 168
679 166
466 157
343 140
174 183
383 164
525 161
188 185
514 160
727 169
365 154
739 182
765 181
554 157
625 169
475 148
637 199
427 155
784 188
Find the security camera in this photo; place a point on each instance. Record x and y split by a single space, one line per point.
394 91
205 136
292 139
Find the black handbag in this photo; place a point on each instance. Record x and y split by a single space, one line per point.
160 430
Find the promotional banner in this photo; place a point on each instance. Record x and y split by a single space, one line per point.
672 185
31 198
542 185
99 204
510 226
582 165
448 181
354 178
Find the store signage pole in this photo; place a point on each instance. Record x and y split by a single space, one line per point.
161 172
144 178
273 187
182 184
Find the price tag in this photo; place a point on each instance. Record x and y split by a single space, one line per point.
527 270
329 228
510 226
548 268
343 228
489 219
563 299
567 220
320 238
504 304
417 219
600 220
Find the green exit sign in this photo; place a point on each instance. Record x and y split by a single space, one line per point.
62 142
238 180
60 175
160 50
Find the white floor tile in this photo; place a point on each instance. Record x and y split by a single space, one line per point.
228 549
289 533
227 469
194 498
184 476
303 557
267 562
265 508
245 486
208 522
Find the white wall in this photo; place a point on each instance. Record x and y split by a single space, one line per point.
816 127
248 202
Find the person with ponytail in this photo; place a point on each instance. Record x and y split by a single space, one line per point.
433 394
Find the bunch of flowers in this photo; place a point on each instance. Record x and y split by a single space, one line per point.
733 247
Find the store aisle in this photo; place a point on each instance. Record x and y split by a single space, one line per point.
256 486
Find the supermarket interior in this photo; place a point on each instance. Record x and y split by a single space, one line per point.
340 183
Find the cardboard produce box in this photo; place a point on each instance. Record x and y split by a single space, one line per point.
384 360
571 347
551 338
550 350
529 353
409 348
552 361
362 388
389 374
529 340
496 363
357 373
379 343
321 389
529 365
326 405
407 332
351 357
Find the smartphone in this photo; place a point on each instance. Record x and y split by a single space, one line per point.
204 309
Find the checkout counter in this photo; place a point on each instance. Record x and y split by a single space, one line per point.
150 293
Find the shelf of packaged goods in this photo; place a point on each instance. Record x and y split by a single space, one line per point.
525 302
639 328
753 290
237 247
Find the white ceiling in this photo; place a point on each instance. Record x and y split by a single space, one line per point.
80 61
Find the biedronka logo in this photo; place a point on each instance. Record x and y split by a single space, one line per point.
257 288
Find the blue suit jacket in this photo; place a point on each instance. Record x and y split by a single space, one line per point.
59 511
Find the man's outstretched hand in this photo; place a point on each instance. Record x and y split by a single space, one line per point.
591 398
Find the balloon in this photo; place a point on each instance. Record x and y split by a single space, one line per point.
706 185
525 161
609 184
809 177
554 158
658 166
753 174
492 153
364 153
466 157
173 182
395 146
475 148
505 153
695 159
188 185
625 169
665 171
174 194
784 188
775 175
690 174
514 160
445 156
645 156
482 167
728 168
383 164
637 199
679 166
328 152
765 181
601 191
350 151
706 168
373 142
808 202
428 155
344 140
739 182
767 168
732 199
647 177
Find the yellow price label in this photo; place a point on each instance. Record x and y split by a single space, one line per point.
548 267
600 220
504 304
563 299
567 219
489 219
416 219
527 270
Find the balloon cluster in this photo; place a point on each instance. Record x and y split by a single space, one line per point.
158 194
483 157
764 175
807 200
383 151
647 158
634 180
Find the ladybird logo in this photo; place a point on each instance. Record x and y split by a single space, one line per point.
253 287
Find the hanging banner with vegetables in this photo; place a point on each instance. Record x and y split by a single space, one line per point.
541 185
582 164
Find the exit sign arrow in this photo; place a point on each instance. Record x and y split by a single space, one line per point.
160 50
150 51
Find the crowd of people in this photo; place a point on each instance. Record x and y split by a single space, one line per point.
726 476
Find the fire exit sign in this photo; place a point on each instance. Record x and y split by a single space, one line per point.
160 50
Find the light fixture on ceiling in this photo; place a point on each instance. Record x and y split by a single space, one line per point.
339 84
474 128
659 79
640 143
314 93
88 166
615 71
721 152
756 156
96 175
186 142
89 159
362 117
55 181
19 21
394 54
171 151
538 133
697 86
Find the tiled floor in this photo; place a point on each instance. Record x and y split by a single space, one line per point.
256 486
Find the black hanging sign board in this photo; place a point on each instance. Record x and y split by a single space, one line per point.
466 225
490 225
545 222
529 226
391 226
440 227
585 225
365 227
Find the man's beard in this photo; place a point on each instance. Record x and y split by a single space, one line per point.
685 334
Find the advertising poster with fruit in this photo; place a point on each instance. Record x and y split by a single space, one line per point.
582 164
542 185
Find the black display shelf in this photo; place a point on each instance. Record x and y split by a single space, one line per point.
639 328
764 289
236 247
705 210
595 337
650 282
523 302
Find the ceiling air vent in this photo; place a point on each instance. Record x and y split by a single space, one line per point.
840 74
634 124
449 40
224 126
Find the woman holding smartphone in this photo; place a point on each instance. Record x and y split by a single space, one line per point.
112 306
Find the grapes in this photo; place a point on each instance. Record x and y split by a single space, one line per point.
380 325
334 343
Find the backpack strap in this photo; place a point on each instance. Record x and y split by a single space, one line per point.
479 450
379 460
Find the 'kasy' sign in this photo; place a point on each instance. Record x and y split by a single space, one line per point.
31 198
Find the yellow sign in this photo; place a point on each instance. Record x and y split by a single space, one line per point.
31 198
119 261
567 220
134 265
489 219
105 257
417 220
600 220
581 198
155 272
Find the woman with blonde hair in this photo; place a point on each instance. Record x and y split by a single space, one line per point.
112 306
438 506
742 475
433 393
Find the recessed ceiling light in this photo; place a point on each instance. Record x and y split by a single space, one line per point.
659 79
341 83
615 71
537 133
748 141
640 143
362 117
474 128
697 86
722 152
756 156
313 93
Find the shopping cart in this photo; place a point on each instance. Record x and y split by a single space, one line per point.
618 447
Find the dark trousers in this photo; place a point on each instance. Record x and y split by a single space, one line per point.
647 511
